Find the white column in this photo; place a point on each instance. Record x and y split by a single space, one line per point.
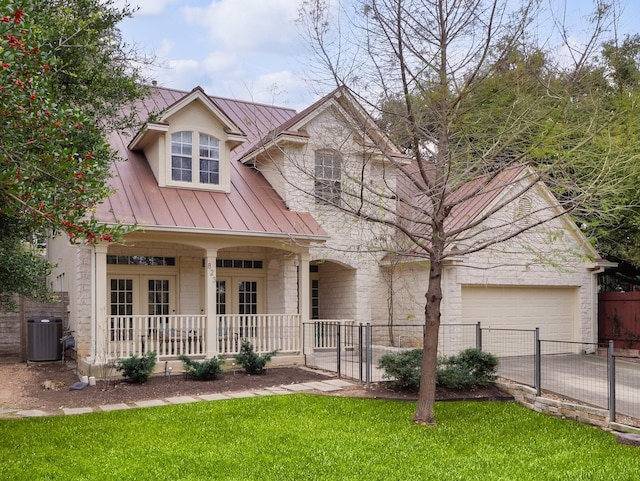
303 282
100 303
210 303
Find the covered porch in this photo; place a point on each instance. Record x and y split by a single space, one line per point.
197 298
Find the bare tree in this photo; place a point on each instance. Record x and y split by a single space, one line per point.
422 69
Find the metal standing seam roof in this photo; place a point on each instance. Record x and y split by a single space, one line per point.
252 206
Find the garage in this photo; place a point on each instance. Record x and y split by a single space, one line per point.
552 309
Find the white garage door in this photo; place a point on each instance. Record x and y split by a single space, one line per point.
553 310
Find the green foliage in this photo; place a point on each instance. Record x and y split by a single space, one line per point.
252 362
206 370
471 368
64 75
403 368
137 369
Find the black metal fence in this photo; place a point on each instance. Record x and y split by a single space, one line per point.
573 370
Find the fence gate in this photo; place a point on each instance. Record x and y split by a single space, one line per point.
339 346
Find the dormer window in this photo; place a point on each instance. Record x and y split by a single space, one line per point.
181 156
209 159
186 168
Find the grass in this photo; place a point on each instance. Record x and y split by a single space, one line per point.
304 437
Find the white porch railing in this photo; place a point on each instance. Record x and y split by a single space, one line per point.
267 332
168 336
171 336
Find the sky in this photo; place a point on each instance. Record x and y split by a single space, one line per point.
250 49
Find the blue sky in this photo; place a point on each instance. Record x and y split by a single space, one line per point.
251 49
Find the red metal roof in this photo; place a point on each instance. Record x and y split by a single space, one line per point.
252 206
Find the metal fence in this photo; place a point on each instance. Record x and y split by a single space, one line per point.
584 372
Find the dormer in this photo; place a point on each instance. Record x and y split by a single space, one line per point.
189 144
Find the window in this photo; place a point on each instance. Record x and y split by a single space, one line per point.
181 153
327 187
209 159
207 165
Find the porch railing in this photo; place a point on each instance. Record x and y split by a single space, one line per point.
168 336
267 332
171 336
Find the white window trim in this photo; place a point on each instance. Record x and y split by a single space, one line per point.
224 175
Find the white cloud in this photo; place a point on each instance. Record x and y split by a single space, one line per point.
219 62
248 25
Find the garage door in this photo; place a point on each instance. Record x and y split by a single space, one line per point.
553 310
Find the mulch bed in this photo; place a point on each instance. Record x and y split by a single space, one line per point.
35 396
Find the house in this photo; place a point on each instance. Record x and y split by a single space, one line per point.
233 241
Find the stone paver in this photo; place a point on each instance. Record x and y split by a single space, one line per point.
297 387
77 410
325 386
213 397
241 394
114 407
181 399
31 413
150 403
338 382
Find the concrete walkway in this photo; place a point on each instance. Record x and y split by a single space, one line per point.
329 385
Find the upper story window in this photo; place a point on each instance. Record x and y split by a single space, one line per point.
209 159
205 167
328 188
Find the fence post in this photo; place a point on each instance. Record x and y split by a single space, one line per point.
479 336
538 363
611 362
360 353
368 347
338 350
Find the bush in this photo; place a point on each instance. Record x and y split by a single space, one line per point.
471 368
206 370
403 368
137 369
252 362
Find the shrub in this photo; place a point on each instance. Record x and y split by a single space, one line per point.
252 362
402 368
206 370
469 369
137 369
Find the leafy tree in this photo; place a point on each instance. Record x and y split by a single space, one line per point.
64 73
433 73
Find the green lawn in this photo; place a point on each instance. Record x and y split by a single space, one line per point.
297 437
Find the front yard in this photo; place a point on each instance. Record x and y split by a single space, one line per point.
301 436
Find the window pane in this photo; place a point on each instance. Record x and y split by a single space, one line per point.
181 156
209 159
327 168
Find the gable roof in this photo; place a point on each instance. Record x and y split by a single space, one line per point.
481 197
251 208
345 105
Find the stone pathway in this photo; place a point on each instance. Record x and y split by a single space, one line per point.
323 386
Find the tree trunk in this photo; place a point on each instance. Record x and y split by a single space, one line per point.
427 395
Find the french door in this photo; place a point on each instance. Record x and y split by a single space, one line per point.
135 295
239 295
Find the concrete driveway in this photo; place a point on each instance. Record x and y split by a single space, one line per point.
583 377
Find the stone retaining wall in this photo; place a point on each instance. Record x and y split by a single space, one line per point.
526 396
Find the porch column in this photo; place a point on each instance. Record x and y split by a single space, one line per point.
303 282
100 327
210 294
